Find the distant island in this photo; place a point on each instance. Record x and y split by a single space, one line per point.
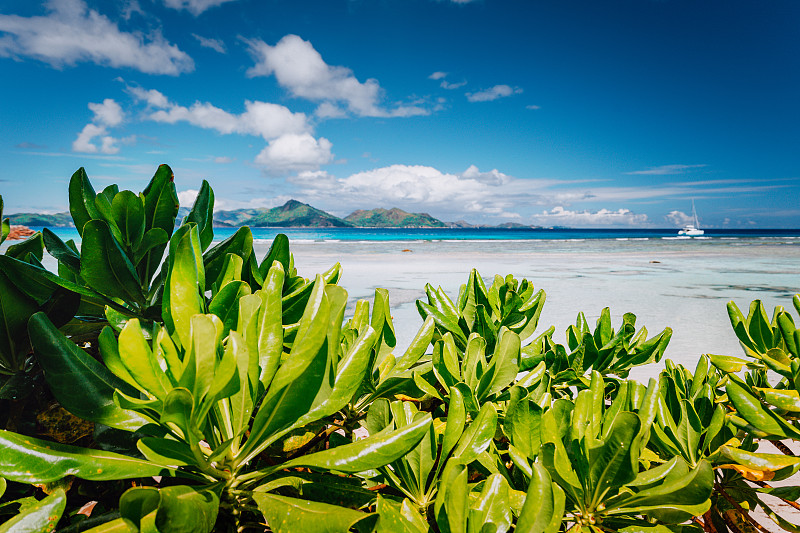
292 214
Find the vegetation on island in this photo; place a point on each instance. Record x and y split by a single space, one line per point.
392 218
217 391
292 214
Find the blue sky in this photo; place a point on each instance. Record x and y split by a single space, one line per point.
558 112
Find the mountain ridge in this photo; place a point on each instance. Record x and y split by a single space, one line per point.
292 214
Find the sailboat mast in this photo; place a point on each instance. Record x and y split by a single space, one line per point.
694 215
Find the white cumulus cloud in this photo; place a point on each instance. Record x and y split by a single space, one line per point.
559 216
291 147
420 188
107 114
679 218
195 7
263 119
300 69
493 93
295 152
71 33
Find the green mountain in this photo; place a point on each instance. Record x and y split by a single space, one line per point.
37 219
290 214
392 218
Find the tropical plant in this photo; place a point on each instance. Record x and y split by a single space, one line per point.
231 394
214 399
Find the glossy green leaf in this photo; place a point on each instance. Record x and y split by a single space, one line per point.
399 518
269 342
780 465
15 309
278 251
82 385
39 518
161 200
369 453
240 243
128 212
752 410
478 435
522 426
105 267
185 285
544 504
289 515
58 249
139 360
491 507
29 460
202 214
32 245
225 303
176 509
451 508
82 200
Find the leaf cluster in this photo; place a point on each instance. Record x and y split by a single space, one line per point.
232 394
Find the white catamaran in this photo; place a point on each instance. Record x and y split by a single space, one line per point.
692 230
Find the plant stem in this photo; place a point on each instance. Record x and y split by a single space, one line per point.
739 508
783 448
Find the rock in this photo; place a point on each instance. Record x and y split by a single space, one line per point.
19 232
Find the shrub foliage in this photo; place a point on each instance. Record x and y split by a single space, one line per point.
155 383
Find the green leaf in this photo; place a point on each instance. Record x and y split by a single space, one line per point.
82 200
269 341
29 460
492 506
451 507
82 385
160 210
140 362
779 465
240 243
128 212
15 309
185 285
544 504
105 267
161 201
289 515
39 518
522 426
369 453
278 251
399 518
32 245
202 214
752 410
225 303
478 435
610 464
58 249
178 509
